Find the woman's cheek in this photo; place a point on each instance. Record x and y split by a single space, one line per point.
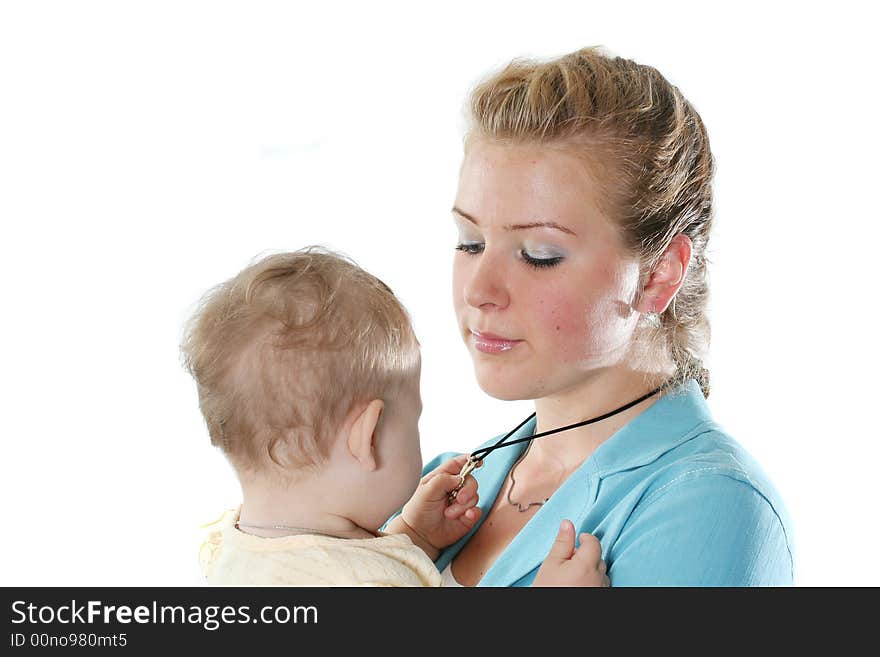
578 331
563 320
457 292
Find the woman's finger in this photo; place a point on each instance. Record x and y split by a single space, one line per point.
589 550
563 546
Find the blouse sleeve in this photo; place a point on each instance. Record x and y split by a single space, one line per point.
702 530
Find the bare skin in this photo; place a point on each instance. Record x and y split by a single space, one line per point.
538 476
431 524
548 302
544 469
502 523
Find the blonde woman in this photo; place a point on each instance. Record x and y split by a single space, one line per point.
584 209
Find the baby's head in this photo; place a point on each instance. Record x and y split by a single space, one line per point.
307 365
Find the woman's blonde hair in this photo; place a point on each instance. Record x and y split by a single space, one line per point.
282 351
651 151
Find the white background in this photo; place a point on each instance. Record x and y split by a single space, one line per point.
150 150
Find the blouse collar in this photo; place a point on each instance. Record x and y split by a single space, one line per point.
667 423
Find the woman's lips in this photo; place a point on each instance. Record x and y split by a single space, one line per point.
492 344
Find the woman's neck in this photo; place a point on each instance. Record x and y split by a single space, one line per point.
606 391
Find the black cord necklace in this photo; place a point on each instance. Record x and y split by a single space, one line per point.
478 455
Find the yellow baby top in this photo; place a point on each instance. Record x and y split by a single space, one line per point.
230 556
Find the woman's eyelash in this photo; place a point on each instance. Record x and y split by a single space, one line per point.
470 247
474 248
540 263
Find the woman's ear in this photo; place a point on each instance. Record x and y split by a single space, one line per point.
360 436
667 277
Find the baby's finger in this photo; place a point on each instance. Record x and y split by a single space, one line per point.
455 510
453 465
450 466
470 517
441 485
465 499
468 492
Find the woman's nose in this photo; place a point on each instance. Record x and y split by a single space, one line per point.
486 285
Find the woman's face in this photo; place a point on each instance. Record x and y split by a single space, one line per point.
542 286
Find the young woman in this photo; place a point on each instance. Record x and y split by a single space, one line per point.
584 209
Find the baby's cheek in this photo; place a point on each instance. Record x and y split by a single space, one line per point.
416 472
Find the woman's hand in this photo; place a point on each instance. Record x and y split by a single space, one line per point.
570 566
429 514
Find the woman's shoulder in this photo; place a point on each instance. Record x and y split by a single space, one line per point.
713 452
723 471
713 516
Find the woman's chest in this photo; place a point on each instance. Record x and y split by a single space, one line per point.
502 524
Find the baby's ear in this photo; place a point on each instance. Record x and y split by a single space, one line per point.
360 436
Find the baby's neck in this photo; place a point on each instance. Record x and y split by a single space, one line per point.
274 512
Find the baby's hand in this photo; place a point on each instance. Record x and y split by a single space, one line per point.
429 513
567 566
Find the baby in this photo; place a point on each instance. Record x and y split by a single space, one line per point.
307 371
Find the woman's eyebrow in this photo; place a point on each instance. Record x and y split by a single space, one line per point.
534 224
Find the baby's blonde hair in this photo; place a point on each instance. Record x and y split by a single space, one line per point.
649 148
284 350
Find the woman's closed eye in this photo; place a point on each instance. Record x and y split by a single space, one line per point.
537 259
540 259
470 247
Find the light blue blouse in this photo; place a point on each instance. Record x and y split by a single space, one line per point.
672 498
